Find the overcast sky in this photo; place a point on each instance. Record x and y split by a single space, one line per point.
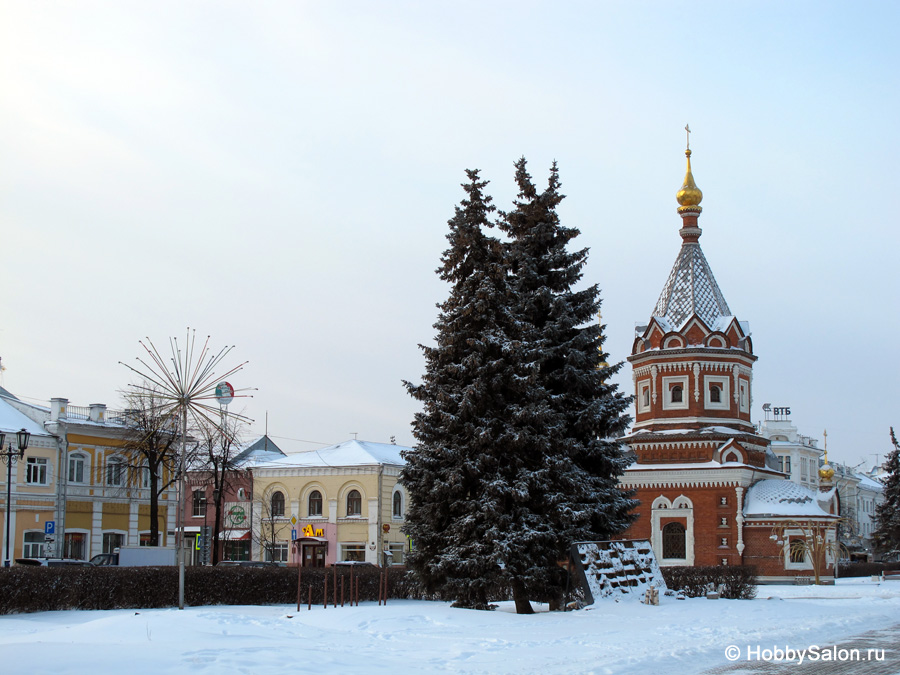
279 175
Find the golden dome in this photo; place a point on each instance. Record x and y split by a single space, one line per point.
689 194
826 473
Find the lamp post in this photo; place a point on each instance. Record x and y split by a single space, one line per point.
11 456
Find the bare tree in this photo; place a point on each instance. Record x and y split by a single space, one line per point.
152 445
218 446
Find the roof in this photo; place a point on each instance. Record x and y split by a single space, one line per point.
11 420
691 289
777 497
348 453
263 449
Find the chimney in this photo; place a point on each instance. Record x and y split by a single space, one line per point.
58 408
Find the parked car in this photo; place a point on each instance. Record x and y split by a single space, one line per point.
354 563
105 559
248 563
52 562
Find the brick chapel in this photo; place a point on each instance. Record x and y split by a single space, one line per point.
709 487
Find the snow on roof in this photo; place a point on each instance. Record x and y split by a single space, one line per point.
11 420
777 497
262 449
348 453
870 483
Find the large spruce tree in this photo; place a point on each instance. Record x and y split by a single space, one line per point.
887 514
461 427
516 455
567 415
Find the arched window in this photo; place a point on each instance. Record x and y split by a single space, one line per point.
673 541
715 393
315 503
676 393
76 468
354 503
115 471
277 510
398 505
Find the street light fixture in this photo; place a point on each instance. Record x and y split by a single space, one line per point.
11 456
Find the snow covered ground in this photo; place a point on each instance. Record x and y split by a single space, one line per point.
679 636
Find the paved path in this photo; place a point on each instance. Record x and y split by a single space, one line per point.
867 663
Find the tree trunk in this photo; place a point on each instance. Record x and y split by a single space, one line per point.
154 507
523 605
218 523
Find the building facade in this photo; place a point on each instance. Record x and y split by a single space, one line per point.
235 519
78 474
341 503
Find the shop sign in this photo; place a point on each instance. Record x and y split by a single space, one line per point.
308 531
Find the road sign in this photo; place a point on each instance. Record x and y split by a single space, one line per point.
50 527
293 534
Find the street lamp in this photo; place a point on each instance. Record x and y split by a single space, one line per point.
11 456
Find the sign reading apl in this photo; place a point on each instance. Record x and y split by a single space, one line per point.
309 532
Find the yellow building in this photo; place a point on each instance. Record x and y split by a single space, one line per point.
339 503
100 500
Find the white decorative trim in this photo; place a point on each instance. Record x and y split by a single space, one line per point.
653 372
667 384
696 382
723 382
662 508
739 491
642 387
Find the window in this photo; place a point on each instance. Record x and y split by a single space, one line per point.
355 552
76 468
675 392
36 471
715 393
199 504
398 505
112 541
354 503
797 550
75 545
115 471
34 545
804 469
237 550
673 541
786 464
643 396
277 505
277 552
145 476
315 503
398 552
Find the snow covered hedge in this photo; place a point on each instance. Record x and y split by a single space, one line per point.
39 589
739 582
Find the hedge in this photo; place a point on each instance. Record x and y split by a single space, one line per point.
866 569
739 581
41 589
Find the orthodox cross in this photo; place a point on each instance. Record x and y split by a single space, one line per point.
687 128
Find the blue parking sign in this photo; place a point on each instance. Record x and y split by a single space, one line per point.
50 527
